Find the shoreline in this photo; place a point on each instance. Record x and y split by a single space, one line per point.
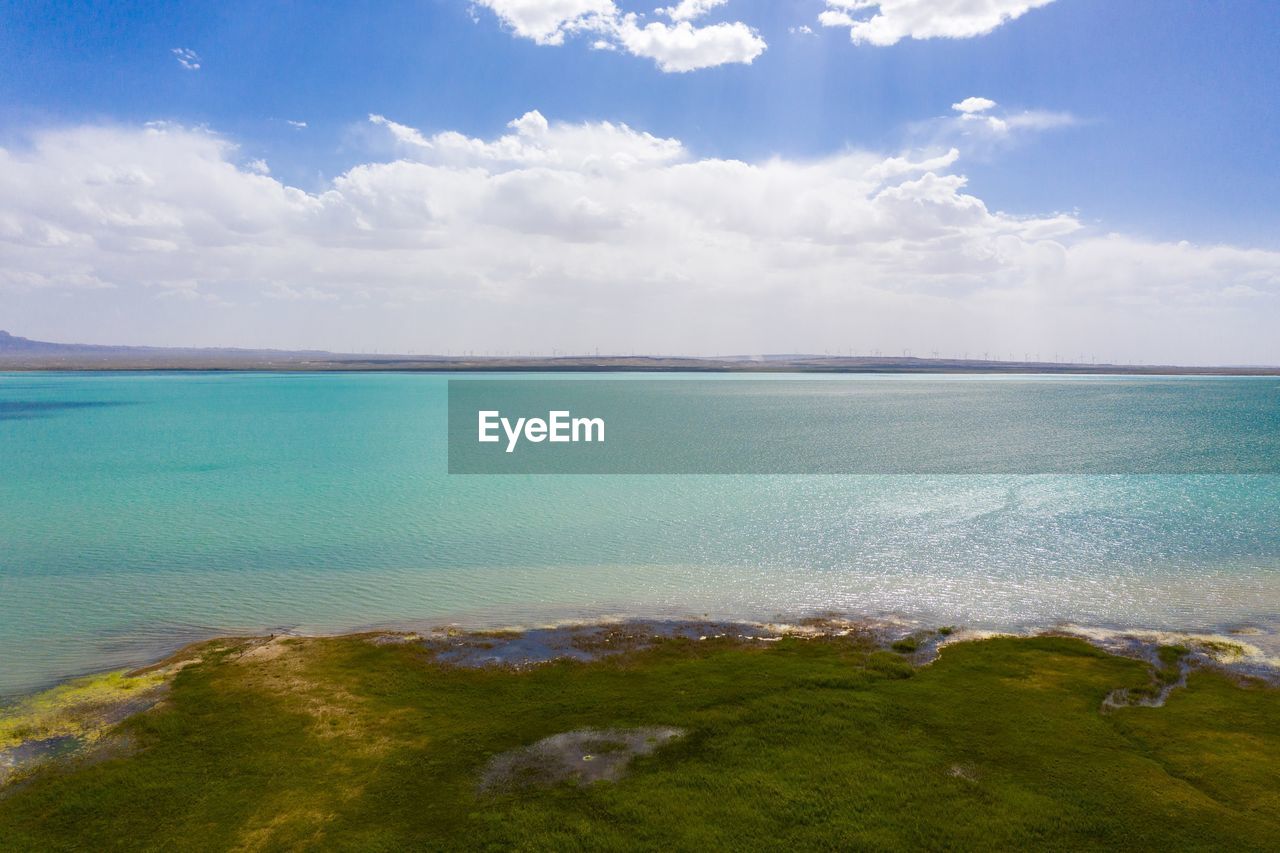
20 355
1257 639
1045 370
72 718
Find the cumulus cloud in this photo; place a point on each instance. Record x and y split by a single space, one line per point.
534 141
684 47
974 105
887 22
573 236
689 10
676 47
547 22
187 58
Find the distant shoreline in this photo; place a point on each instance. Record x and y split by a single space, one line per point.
19 354
833 365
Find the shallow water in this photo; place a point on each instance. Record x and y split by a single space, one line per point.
141 511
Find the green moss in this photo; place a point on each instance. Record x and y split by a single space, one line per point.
1170 655
999 744
1170 660
907 645
1221 649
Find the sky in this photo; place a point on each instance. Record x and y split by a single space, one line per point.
1016 178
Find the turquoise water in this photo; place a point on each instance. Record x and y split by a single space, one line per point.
138 511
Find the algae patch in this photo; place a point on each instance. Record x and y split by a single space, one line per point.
74 718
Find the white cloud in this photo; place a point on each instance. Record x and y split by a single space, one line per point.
577 235
887 22
690 10
549 21
974 105
187 58
684 47
1038 120
981 129
535 142
296 125
802 30
676 47
1005 127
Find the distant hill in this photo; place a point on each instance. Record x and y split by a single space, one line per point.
18 353
23 353
13 344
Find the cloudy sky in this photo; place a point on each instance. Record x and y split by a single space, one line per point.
1010 177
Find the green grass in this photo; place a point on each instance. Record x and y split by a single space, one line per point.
831 744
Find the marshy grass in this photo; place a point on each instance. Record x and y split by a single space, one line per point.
343 743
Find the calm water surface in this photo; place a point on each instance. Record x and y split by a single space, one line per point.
141 510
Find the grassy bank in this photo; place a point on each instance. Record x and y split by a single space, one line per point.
832 743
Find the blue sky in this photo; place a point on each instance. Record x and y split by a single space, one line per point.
1153 120
1179 116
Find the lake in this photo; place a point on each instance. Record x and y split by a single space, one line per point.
139 511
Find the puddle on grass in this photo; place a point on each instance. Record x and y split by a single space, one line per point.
575 642
584 757
31 752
